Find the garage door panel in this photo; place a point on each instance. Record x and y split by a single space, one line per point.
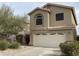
48 40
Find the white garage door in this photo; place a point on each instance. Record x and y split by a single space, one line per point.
48 40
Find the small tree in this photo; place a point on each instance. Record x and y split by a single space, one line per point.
9 23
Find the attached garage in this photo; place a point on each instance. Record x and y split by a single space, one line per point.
48 40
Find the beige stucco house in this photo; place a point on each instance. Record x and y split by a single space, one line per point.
51 25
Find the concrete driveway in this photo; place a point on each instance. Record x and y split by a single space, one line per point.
31 51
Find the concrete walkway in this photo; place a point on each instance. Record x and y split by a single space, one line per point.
31 51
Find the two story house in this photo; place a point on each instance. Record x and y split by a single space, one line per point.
51 25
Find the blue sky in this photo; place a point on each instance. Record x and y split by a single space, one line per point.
21 8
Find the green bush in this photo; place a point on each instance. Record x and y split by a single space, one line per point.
14 45
4 44
70 48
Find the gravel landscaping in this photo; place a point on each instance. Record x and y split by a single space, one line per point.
31 51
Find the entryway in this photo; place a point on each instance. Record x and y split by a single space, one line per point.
27 39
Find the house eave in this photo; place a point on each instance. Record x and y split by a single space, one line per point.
42 9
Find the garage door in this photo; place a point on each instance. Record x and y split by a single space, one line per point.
48 40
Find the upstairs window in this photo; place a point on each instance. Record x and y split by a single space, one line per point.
39 19
59 16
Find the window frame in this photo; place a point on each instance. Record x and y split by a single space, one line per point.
37 19
59 16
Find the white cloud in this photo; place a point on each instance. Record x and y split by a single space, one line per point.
77 14
77 11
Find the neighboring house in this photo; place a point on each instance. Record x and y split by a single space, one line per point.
51 25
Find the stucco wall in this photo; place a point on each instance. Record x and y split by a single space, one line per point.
50 21
33 20
68 17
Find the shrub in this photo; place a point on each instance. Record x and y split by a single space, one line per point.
4 44
70 48
14 45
